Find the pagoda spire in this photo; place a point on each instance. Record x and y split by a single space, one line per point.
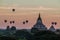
39 18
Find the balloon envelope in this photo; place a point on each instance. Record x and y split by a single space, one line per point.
5 21
23 22
13 10
26 21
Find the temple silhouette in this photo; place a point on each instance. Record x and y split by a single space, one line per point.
39 24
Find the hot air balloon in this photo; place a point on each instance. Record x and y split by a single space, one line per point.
13 10
10 22
13 21
52 23
26 21
23 22
55 23
5 21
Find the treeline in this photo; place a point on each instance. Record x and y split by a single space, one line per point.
25 35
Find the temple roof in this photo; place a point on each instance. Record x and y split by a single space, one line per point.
52 28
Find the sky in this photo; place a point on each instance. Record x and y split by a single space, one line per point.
29 10
46 3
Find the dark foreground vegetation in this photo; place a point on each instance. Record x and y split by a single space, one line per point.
24 35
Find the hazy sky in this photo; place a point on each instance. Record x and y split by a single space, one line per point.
46 3
29 10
